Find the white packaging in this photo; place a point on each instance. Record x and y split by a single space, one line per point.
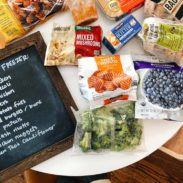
106 79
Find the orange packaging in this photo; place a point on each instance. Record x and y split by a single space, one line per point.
116 9
106 79
83 11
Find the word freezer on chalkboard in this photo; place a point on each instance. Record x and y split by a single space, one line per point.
34 113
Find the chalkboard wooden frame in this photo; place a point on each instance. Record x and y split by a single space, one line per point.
37 40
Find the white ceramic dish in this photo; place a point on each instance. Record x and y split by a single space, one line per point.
156 132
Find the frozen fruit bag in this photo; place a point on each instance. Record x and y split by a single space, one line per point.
61 49
10 27
106 79
166 9
30 12
160 90
83 11
163 38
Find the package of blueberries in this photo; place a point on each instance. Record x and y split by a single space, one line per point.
160 90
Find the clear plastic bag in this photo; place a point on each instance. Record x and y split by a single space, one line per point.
17 17
29 12
163 38
83 11
172 10
109 128
61 49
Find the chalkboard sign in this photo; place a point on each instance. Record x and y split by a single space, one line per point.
34 107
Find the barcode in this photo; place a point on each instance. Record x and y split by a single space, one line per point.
153 34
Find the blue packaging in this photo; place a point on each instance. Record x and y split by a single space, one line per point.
121 33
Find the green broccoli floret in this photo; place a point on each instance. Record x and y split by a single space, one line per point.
85 142
100 127
103 142
86 121
128 137
102 112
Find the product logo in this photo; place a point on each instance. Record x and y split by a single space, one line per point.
170 5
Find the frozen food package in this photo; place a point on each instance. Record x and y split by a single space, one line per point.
18 16
116 9
29 12
166 9
163 38
72 42
10 27
83 11
108 128
160 90
121 34
107 79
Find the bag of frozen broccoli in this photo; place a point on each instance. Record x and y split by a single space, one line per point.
108 128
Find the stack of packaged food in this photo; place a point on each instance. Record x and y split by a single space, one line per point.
121 89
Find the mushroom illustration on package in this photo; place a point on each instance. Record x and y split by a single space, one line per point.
106 79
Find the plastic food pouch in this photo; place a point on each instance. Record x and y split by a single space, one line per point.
121 33
29 12
116 9
83 11
69 43
167 9
18 16
112 127
106 79
10 27
160 90
163 38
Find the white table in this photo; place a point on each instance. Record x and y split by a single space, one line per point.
156 132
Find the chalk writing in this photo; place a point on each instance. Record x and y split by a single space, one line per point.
7 93
13 62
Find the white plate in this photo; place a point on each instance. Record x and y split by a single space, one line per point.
156 132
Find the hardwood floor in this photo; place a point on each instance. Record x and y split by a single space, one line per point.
156 168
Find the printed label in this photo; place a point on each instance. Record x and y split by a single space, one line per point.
88 41
173 39
122 33
10 27
109 62
114 5
170 5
